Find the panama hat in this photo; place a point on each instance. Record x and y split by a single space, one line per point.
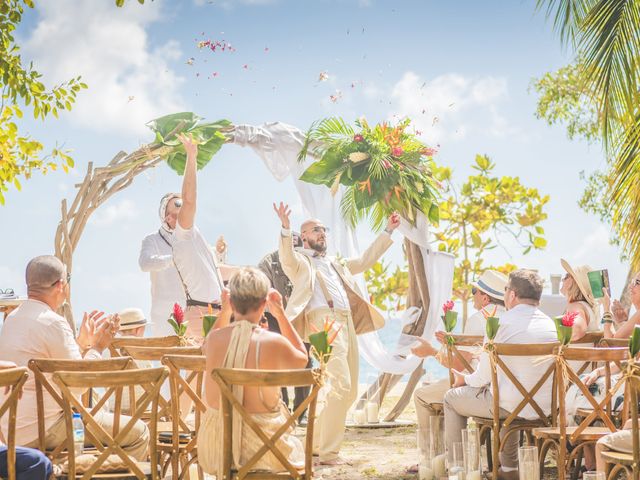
131 318
492 283
579 274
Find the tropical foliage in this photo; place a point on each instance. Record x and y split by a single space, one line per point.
21 91
209 136
483 212
384 169
605 35
387 289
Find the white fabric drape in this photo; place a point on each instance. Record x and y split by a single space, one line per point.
278 144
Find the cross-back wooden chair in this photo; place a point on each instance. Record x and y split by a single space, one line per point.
118 343
13 379
186 376
584 433
454 354
109 443
226 378
43 368
617 462
614 342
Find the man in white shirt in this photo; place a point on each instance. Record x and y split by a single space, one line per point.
324 290
156 258
523 322
488 294
35 330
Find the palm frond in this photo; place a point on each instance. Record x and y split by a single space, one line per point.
567 15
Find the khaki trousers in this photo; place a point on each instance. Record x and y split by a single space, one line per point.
342 372
424 397
135 443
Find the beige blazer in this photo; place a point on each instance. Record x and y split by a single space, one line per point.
302 272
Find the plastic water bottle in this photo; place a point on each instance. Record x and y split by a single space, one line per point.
78 434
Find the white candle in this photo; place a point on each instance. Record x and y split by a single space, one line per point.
425 472
438 465
372 412
359 417
456 473
475 475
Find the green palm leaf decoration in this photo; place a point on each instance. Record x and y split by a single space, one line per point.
384 169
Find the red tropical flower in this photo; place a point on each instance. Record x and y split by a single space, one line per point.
569 318
358 138
178 313
397 151
448 306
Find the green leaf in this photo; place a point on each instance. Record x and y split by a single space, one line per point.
207 323
492 326
634 342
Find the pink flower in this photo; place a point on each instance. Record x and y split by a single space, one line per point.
397 151
448 306
386 164
358 138
178 314
569 318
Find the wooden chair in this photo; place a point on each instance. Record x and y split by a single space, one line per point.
13 379
226 378
109 443
186 376
583 434
617 462
42 369
118 343
454 354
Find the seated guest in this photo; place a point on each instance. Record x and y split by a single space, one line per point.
577 290
243 344
488 293
523 322
35 330
31 464
620 441
614 326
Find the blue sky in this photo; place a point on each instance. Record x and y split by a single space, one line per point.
467 64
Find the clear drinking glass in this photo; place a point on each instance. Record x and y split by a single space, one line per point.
528 464
593 476
455 461
471 452
436 446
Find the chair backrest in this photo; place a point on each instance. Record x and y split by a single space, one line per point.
156 353
108 443
593 338
42 369
634 393
12 378
614 342
186 376
227 377
566 376
454 354
119 342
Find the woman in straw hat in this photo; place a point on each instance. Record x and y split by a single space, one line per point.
577 290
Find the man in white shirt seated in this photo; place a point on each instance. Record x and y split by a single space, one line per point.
523 322
488 294
35 330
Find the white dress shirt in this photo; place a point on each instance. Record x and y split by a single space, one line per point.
477 325
34 330
196 264
156 257
522 324
335 287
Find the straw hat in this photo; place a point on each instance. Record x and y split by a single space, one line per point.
579 274
131 318
492 283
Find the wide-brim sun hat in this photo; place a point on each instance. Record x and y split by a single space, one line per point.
492 283
580 275
131 318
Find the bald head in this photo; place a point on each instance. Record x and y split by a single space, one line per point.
314 235
43 272
310 224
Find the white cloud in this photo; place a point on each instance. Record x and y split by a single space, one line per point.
129 79
593 246
116 213
440 107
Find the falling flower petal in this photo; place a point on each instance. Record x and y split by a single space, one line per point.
190 61
323 77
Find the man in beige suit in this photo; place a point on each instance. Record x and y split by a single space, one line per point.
324 288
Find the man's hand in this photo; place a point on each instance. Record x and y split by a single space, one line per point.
87 328
441 337
458 378
283 212
190 146
424 349
225 300
275 305
590 378
393 222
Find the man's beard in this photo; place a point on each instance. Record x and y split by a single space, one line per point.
320 248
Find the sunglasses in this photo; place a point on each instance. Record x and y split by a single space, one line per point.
7 291
636 282
474 290
68 280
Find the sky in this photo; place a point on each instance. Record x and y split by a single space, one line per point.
460 70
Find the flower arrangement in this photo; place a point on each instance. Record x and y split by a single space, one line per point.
176 320
492 324
322 341
208 320
384 168
449 319
564 327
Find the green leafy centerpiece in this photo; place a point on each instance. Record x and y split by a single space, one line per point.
564 327
449 319
209 136
384 168
493 323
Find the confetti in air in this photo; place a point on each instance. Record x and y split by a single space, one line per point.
335 97
323 77
216 45
190 61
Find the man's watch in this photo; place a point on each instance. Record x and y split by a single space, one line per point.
388 230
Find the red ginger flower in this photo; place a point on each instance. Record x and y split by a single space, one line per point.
178 313
448 306
569 318
397 151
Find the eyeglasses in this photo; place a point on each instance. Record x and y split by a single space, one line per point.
636 282
7 291
320 230
68 280
474 290
507 288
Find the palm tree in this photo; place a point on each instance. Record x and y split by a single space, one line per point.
605 35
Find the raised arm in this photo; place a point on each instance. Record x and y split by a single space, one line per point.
376 249
187 213
150 260
288 257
